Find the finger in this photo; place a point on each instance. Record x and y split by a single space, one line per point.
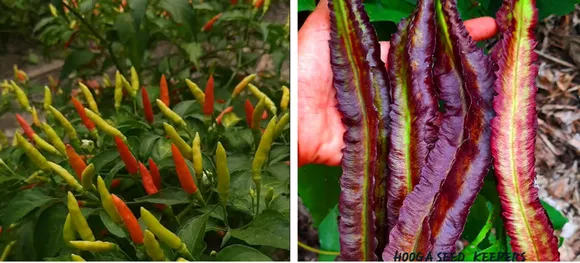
319 19
481 28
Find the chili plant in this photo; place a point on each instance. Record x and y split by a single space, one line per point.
422 134
139 178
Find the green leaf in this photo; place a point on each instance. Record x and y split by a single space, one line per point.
48 231
328 235
306 5
559 8
110 225
192 234
241 253
312 179
167 196
556 217
476 219
161 150
23 203
146 143
75 60
193 51
104 158
392 10
181 12
138 8
270 228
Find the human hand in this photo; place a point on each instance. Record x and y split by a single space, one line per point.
320 128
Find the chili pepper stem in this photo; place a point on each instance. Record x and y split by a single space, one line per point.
258 187
253 205
226 216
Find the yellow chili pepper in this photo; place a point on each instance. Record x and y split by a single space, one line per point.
94 246
285 119
107 202
104 126
183 147
106 80
261 155
197 159
223 174
35 118
68 128
7 250
152 247
68 178
52 83
258 111
128 87
21 97
196 91
47 98
166 236
3 139
118 90
134 79
242 85
32 153
181 260
266 6
285 98
78 220
77 258
171 115
87 177
44 145
269 103
89 98
69 232
54 139
53 10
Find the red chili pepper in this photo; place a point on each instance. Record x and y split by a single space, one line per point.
155 173
233 2
129 219
127 156
164 91
249 112
183 173
81 203
210 23
147 109
227 110
115 183
81 111
258 4
70 39
147 179
75 161
28 186
265 115
27 129
208 104
220 101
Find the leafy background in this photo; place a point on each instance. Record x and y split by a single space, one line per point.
384 14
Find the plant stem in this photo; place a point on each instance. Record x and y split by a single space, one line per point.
185 211
226 217
317 251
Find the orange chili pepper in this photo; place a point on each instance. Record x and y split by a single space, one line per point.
258 3
149 183
75 161
233 2
26 127
164 91
155 173
227 110
208 103
81 111
265 115
127 156
210 23
115 183
183 173
249 112
129 219
147 109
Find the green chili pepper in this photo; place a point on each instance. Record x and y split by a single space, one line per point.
223 174
68 128
153 248
87 177
47 98
166 236
21 97
78 220
171 115
183 147
107 202
261 155
68 178
281 125
197 159
44 145
257 115
54 139
89 98
269 103
118 90
94 246
32 153
196 91
104 126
